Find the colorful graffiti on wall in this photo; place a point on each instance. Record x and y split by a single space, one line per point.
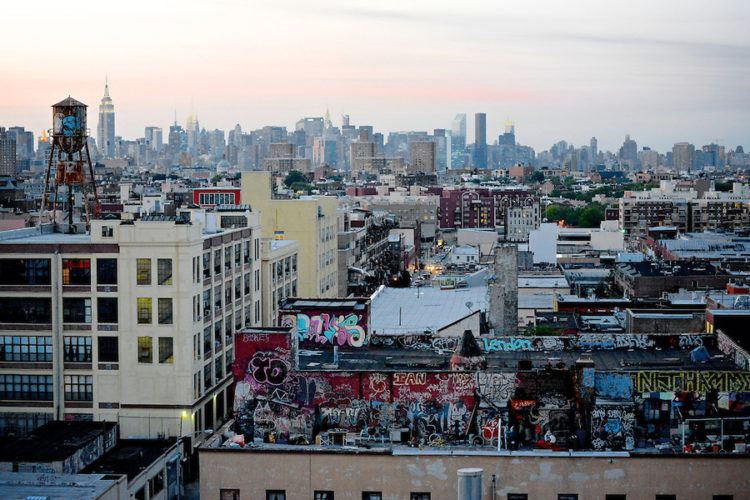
431 407
342 330
693 381
612 427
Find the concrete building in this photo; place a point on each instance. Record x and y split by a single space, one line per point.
131 322
278 276
683 156
422 155
7 154
480 140
309 220
652 279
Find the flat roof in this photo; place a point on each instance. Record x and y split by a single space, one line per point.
52 442
130 457
396 310
25 485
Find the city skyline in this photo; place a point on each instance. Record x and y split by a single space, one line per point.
275 63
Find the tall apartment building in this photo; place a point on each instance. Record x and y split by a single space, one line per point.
686 209
309 220
516 211
132 322
7 154
279 270
683 156
422 155
480 140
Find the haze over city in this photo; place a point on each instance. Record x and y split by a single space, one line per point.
663 72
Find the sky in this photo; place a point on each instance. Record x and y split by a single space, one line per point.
662 71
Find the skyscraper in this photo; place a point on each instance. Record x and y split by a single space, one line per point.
480 140
458 132
594 149
7 154
629 150
422 154
105 136
682 155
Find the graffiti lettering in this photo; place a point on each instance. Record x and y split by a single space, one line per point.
654 381
409 378
612 427
506 344
614 385
265 368
328 329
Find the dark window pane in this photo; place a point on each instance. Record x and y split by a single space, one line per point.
106 309
24 272
25 310
108 350
106 271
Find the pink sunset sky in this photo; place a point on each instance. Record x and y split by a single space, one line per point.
663 71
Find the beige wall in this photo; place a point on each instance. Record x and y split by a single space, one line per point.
310 221
348 474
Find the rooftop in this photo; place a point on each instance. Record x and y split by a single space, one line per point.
130 457
401 310
52 442
28 485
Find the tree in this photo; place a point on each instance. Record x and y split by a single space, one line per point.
538 176
294 177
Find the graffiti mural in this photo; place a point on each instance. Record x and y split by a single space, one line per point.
614 385
335 330
612 427
694 381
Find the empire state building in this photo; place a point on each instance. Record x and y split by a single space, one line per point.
105 134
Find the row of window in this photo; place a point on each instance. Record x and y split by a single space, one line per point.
146 350
234 494
163 271
39 348
237 255
145 307
241 287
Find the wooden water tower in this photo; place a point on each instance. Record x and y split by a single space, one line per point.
69 142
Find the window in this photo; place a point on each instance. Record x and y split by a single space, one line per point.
25 348
145 350
372 495
228 293
238 288
246 284
76 271
323 495
723 497
164 306
420 496
229 358
518 496
206 303
207 341
218 369
77 310
77 349
257 311
24 272
217 297
108 350
206 265
144 310
26 387
226 494
106 271
143 271
275 495
237 255
567 496
164 271
217 261
207 382
227 259
257 248
246 252
140 494
106 309
257 280
666 497
217 335
614 497
79 388
166 350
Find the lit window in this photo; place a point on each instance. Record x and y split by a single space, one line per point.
145 350
143 271
144 310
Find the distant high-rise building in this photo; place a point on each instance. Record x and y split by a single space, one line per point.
24 142
7 154
629 150
480 140
105 136
594 150
344 121
443 146
153 136
458 132
192 129
422 155
683 155
508 138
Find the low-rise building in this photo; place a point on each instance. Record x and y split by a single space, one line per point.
278 276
